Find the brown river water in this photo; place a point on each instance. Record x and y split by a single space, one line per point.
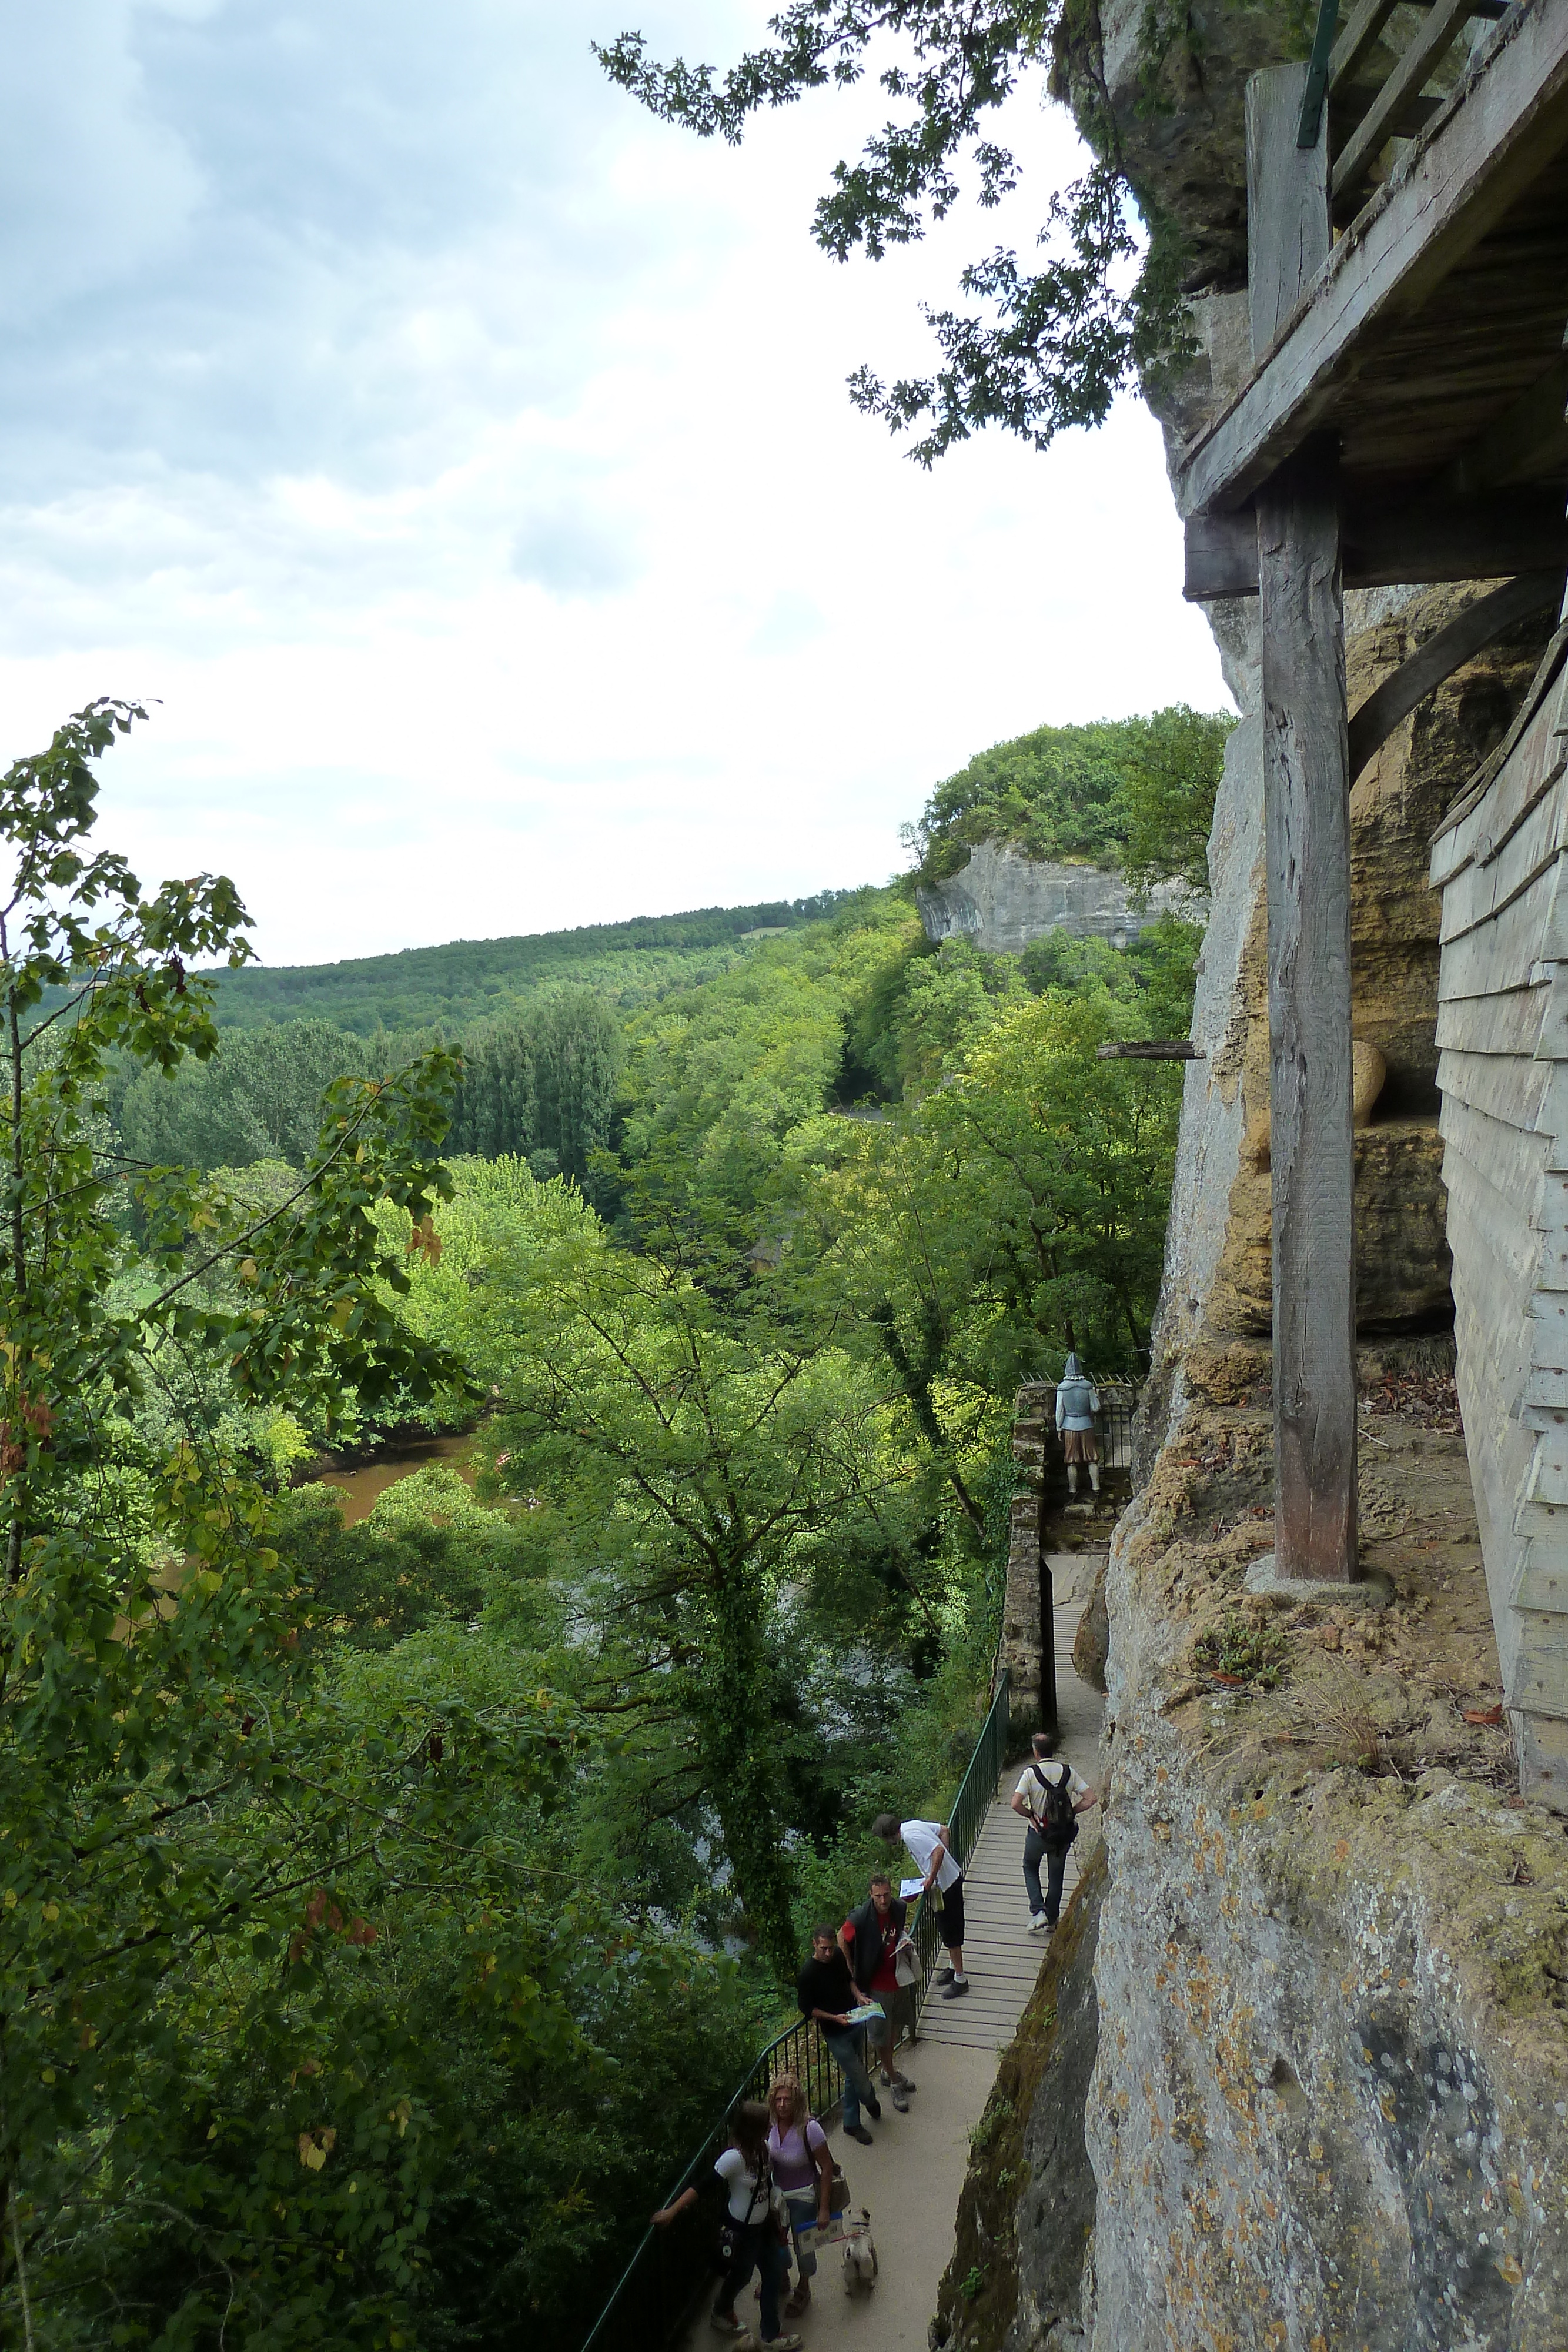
362 1488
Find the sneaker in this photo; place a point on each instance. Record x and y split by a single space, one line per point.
955 1992
725 2322
904 2084
851 2131
943 1976
899 2099
782 2343
1038 1924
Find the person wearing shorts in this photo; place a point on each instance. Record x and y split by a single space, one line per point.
868 1940
926 1844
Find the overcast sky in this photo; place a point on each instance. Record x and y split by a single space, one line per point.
465 462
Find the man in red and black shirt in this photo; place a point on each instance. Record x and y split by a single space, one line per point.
868 1940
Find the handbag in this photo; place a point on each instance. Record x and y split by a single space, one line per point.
731 2232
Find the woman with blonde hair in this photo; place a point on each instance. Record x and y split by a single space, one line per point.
798 2151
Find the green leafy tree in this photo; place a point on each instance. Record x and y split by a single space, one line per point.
1167 793
544 1086
209 2113
1075 1158
961 1238
1056 791
257 1097
1061 338
682 1457
1137 794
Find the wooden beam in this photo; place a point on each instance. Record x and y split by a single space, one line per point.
1479 625
1306 807
1150 1049
1530 439
1306 793
1356 43
1387 115
1430 540
1049 1719
1287 202
1497 133
1360 37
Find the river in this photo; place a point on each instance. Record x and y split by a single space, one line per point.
362 1488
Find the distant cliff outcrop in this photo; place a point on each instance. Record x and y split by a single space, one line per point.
1002 901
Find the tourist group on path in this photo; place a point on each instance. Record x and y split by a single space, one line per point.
857 1987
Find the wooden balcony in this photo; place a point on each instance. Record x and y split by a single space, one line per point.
1427 348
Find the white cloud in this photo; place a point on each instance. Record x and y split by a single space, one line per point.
465 462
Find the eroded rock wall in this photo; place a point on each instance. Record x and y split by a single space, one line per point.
1329 2108
1330 2102
1020 2267
1001 900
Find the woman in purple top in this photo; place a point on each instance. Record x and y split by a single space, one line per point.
798 2147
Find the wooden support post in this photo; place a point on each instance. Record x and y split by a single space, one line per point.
1306 786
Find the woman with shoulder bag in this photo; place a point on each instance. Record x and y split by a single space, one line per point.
754 2234
798 2151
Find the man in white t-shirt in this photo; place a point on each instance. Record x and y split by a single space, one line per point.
926 1843
1050 1795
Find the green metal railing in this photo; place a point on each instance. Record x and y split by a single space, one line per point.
976 1790
655 2297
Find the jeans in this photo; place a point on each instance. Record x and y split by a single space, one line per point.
1035 1851
845 2045
758 2250
802 2204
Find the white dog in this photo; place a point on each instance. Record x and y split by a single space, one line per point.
860 2260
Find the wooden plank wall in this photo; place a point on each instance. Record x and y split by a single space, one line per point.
1503 1032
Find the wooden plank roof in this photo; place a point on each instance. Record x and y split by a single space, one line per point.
1431 341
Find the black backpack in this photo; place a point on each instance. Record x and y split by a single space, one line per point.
1058 1824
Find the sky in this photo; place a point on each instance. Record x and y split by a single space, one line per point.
459 465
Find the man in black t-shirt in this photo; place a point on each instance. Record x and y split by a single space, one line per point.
826 1993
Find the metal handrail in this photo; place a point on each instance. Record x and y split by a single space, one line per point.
976 1790
652 2299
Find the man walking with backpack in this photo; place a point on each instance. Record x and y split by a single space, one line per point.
1050 1796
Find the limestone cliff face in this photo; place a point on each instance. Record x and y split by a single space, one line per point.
1330 2098
1175 81
1020 2264
1402 1261
1329 2108
1002 900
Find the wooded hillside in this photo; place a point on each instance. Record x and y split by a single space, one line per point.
473 979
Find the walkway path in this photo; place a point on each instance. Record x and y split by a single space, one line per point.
1001 1958
910 2177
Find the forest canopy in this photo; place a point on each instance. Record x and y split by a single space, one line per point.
384 1906
474 979
1137 793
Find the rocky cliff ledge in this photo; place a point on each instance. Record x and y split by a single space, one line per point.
1329 2104
1329 2099
1002 900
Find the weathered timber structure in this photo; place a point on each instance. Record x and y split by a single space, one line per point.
1404 420
1502 1028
